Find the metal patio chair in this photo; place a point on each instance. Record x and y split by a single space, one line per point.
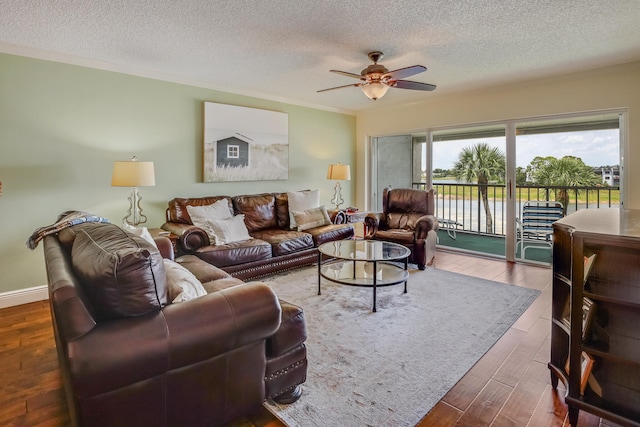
535 227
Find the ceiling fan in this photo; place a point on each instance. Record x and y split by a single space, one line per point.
376 79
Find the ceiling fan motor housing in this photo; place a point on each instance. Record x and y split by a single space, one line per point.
374 69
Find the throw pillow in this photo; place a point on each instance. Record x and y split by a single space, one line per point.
311 218
229 230
140 232
181 283
300 201
121 274
204 216
218 210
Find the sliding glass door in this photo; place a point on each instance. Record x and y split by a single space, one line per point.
565 163
392 157
468 173
487 176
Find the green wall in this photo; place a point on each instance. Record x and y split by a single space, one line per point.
62 127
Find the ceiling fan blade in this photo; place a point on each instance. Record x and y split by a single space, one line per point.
406 84
340 87
345 73
405 72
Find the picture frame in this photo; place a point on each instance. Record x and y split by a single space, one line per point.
588 312
244 144
589 259
586 366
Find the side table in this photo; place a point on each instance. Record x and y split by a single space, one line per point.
343 216
156 232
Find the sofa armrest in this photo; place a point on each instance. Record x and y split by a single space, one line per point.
291 333
425 224
126 351
372 223
219 322
164 246
191 237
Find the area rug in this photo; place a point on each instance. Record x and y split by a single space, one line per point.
391 367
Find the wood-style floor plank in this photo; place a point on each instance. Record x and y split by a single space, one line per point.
486 405
465 391
442 415
518 361
524 399
509 386
536 310
550 409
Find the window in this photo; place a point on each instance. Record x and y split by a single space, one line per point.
233 151
487 204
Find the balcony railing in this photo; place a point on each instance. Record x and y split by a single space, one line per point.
463 207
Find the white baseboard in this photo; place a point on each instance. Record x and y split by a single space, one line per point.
23 296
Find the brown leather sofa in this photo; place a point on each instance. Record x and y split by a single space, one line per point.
407 218
274 247
128 357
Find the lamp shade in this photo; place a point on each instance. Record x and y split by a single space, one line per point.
339 172
374 90
133 174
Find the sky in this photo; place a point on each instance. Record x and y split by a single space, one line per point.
595 148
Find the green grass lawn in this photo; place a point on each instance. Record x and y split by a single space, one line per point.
459 191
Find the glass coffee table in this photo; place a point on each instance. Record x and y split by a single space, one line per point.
363 263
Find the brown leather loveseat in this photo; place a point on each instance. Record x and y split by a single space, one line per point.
273 246
130 357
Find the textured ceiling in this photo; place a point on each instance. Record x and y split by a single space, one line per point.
284 49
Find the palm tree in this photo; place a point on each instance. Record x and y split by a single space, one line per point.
481 163
568 171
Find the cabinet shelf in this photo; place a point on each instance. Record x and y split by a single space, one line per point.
616 351
563 324
597 406
612 292
559 373
562 279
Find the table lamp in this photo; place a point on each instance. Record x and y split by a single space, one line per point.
134 174
339 172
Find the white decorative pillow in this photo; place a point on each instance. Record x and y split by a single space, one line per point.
181 283
204 216
312 218
300 201
218 210
229 230
140 232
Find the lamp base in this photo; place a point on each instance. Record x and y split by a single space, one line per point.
134 215
337 196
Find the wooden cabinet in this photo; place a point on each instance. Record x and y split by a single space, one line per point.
595 335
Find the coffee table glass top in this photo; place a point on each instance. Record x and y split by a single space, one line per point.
364 250
363 263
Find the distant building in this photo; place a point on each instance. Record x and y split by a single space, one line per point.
610 175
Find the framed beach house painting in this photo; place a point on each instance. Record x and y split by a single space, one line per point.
245 144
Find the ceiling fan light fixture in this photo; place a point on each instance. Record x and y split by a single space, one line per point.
375 80
374 91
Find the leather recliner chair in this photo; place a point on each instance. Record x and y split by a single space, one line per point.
407 218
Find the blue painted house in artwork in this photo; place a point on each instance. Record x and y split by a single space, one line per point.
232 152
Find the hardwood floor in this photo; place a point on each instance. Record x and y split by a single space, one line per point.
509 386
